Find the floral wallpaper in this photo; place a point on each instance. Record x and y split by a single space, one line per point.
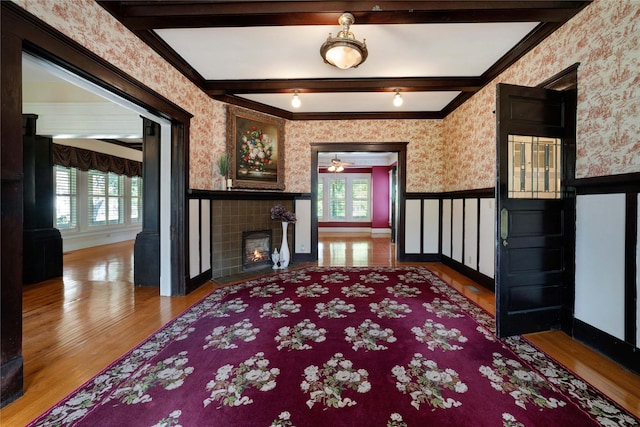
457 153
605 39
90 25
424 149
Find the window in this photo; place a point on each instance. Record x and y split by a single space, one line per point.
320 198
344 197
534 167
106 200
136 199
337 199
66 198
92 199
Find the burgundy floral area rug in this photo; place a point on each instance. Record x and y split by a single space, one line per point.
320 346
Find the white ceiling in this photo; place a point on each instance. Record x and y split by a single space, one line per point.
400 50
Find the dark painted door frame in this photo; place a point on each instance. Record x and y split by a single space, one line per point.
368 147
536 238
23 31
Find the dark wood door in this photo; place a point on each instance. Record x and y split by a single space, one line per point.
534 254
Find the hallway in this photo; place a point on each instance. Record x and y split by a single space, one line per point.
77 325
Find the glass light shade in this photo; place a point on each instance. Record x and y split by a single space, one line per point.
295 102
343 55
344 51
397 99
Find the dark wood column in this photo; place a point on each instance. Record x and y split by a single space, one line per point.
42 242
146 251
11 363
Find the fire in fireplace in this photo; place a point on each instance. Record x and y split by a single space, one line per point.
256 249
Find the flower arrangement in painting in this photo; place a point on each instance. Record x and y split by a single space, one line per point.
256 150
280 213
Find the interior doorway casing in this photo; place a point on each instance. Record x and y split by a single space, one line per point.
22 31
368 147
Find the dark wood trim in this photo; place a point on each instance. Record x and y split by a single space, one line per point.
242 195
398 147
566 79
200 279
408 115
141 16
630 269
626 182
612 347
11 166
48 43
481 193
420 258
405 84
486 281
344 224
143 19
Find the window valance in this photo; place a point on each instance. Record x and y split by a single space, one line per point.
63 155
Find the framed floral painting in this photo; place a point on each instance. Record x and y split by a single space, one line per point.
256 146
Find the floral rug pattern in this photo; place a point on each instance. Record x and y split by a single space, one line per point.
389 347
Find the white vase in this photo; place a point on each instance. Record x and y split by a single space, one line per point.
284 247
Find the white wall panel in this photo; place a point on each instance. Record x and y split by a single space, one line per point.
487 255
303 226
600 240
412 227
471 233
457 229
431 223
194 238
205 235
446 227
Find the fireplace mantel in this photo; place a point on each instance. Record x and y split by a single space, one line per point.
217 220
242 195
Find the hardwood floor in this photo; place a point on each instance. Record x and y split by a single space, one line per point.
76 325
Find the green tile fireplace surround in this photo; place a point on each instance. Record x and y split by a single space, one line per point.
234 212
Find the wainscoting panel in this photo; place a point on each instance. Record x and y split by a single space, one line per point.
205 235
487 237
446 227
457 230
607 278
471 233
600 262
194 238
431 226
412 227
303 226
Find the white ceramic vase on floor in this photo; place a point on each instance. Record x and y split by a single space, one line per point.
284 248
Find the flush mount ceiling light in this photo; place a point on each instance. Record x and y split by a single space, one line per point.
295 102
344 51
397 99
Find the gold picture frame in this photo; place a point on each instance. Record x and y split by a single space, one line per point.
256 149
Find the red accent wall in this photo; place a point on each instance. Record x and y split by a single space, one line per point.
380 199
379 202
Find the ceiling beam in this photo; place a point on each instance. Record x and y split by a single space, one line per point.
147 15
406 84
143 16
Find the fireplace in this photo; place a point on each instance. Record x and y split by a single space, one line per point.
256 249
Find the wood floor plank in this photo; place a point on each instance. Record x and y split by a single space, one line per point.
75 326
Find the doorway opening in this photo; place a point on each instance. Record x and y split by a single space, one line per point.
342 195
79 114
